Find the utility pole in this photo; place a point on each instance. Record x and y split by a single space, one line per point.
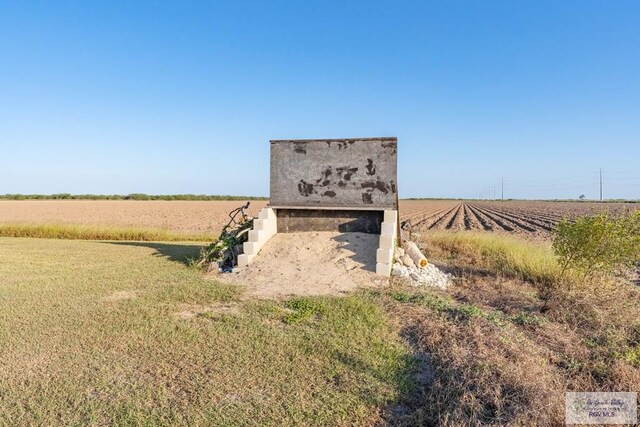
600 184
503 189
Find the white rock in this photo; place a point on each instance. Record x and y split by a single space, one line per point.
427 276
399 270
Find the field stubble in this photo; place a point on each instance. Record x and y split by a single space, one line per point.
203 220
183 218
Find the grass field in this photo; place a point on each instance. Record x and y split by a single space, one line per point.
100 332
125 333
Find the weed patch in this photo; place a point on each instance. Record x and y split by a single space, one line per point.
504 255
302 309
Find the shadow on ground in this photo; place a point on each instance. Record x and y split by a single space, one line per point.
176 253
362 245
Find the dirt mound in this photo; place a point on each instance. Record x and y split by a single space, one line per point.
312 263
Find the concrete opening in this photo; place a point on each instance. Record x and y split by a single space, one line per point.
332 185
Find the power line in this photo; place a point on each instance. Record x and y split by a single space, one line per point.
579 184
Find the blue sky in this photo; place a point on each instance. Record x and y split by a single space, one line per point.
182 97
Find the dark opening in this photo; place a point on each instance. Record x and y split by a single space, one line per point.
344 221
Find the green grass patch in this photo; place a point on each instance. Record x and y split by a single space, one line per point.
456 311
98 232
441 304
301 309
527 319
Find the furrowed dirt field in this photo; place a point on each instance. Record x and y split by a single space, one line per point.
521 217
531 218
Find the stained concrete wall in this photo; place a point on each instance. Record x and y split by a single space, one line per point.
349 173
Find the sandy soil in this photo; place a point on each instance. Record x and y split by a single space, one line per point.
314 263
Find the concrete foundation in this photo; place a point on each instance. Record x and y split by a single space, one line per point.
271 221
344 185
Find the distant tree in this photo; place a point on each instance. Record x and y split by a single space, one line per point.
582 197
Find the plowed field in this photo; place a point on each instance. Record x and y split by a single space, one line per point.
530 218
178 216
522 217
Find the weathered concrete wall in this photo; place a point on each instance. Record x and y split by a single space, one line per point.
357 173
344 221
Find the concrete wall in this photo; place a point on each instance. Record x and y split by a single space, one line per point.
355 173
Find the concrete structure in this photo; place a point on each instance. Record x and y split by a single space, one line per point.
346 185
388 242
264 227
343 173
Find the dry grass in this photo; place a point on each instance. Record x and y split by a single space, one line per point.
125 333
97 232
503 254
495 355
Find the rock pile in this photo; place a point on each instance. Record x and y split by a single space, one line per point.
430 275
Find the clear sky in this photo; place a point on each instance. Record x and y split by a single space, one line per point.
182 97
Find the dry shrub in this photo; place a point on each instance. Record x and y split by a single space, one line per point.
599 245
